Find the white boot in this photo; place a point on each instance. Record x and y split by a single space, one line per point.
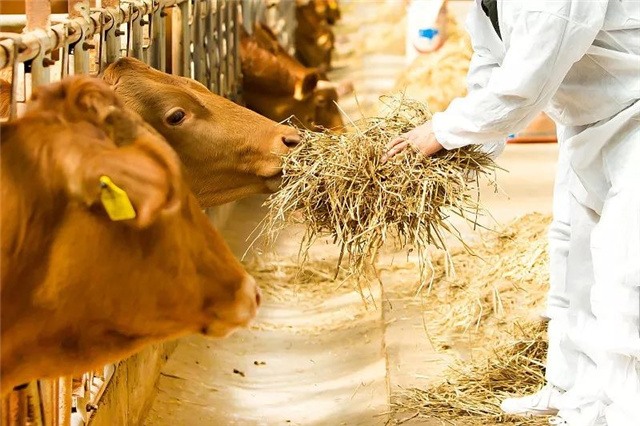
545 402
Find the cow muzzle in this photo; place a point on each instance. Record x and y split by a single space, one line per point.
239 313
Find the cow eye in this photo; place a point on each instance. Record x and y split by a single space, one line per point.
175 117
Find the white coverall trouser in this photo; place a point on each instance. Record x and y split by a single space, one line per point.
580 62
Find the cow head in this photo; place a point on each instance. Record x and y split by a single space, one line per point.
328 10
78 289
267 68
279 87
228 151
328 114
314 38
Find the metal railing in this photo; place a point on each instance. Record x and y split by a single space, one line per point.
279 15
192 38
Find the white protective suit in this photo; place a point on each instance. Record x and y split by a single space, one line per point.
579 61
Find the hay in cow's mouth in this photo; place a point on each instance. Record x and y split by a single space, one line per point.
338 186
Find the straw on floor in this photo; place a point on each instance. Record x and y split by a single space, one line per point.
337 185
472 392
505 279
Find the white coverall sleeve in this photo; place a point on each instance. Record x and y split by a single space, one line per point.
482 64
543 41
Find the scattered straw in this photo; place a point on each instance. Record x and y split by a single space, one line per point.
471 393
506 278
338 186
310 301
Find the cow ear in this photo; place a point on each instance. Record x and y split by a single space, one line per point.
306 85
136 184
93 97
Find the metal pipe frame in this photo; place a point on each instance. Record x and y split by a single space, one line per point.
221 78
198 41
54 38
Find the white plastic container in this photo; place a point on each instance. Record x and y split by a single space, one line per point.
426 27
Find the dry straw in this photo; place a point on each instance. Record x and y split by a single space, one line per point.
337 185
472 392
506 278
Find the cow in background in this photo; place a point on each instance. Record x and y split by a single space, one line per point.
314 38
79 290
279 87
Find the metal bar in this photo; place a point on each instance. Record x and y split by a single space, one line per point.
19 407
210 38
38 14
158 43
228 32
38 21
184 58
237 75
19 21
112 36
198 42
53 40
136 33
80 9
221 54
64 401
35 412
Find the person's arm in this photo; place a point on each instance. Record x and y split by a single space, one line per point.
545 40
482 65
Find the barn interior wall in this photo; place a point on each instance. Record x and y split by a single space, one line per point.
130 392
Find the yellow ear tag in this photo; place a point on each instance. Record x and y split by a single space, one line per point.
115 201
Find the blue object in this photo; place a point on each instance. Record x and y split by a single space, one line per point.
428 32
512 135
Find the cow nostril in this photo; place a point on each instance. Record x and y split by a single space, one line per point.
291 141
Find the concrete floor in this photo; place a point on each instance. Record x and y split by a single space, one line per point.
333 360
323 367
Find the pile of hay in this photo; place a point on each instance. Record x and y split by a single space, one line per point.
472 392
338 186
507 276
438 78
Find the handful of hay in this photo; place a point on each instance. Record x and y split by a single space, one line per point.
338 186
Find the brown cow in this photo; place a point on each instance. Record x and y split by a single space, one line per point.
279 87
268 68
77 289
328 10
228 151
328 114
314 39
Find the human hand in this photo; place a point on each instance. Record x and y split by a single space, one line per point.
422 139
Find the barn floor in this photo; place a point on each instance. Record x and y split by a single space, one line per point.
331 361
